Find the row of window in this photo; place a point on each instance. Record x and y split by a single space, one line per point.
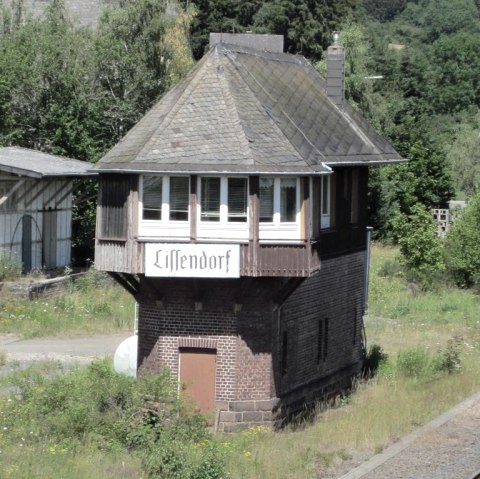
222 199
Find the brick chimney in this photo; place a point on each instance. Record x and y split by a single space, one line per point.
336 72
255 41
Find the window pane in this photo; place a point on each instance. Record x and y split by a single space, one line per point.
210 199
237 199
288 199
152 197
266 200
179 198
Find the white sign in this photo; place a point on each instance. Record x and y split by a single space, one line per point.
187 260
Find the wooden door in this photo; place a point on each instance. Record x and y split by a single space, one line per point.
197 376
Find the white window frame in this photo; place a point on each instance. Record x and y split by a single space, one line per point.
222 229
277 231
164 227
325 209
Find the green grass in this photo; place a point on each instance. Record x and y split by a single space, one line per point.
91 305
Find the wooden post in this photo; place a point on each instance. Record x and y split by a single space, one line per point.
254 219
193 207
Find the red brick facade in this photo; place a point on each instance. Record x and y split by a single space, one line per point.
321 321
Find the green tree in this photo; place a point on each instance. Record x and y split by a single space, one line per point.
446 17
383 10
462 249
464 156
48 87
456 60
420 246
307 25
140 53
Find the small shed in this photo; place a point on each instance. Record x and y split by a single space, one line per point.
36 206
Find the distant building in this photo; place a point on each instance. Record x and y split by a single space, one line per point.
36 206
235 212
444 218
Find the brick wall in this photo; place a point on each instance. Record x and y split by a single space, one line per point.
162 329
234 315
324 312
322 319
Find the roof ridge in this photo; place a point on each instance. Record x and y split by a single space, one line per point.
227 94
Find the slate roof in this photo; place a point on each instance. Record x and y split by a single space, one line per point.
245 111
35 164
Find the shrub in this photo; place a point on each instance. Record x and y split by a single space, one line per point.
462 251
10 266
109 411
450 360
417 363
373 360
391 268
421 249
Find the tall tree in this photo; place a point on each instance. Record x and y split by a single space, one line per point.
307 25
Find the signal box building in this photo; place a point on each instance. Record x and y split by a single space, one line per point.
235 213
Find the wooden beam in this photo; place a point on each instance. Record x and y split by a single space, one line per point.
193 207
128 281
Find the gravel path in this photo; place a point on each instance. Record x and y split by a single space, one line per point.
446 448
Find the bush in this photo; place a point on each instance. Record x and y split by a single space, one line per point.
373 360
421 249
110 411
417 363
391 268
10 266
450 360
462 249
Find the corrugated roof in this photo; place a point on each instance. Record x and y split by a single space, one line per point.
36 164
246 111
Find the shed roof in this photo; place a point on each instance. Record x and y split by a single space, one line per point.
244 111
36 164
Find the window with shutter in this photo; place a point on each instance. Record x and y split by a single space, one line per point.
179 198
237 199
266 200
152 197
210 199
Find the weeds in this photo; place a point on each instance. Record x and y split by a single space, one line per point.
3 358
109 412
92 304
10 266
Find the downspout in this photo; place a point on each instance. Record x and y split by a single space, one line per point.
367 268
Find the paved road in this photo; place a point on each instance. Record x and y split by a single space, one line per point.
81 349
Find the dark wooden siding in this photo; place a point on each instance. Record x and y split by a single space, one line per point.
113 214
278 260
